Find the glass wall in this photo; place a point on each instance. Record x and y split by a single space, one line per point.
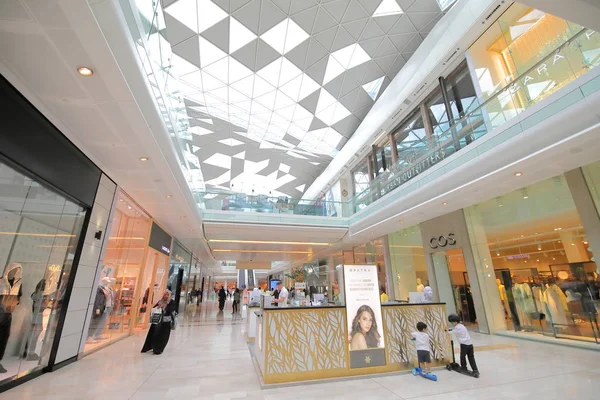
544 270
39 234
153 282
360 177
372 253
407 262
117 290
180 264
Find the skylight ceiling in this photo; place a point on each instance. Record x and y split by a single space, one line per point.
274 88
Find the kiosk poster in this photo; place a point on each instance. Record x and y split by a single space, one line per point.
363 312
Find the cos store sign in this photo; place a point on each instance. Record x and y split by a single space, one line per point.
442 241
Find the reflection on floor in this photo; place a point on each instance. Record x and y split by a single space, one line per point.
207 358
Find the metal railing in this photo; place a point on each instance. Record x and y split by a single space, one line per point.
242 202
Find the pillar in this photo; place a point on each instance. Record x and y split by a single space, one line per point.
588 214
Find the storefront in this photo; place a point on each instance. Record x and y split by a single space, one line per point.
153 281
408 265
118 278
539 247
179 272
48 221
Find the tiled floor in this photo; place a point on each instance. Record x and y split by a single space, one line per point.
209 359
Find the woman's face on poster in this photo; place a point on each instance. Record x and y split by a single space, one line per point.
365 321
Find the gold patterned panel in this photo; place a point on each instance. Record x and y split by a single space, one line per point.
401 321
306 341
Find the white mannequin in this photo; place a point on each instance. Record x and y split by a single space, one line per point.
420 286
12 271
428 294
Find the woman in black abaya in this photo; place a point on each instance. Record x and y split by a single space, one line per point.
158 334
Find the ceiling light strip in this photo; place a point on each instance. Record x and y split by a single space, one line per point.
262 251
267 242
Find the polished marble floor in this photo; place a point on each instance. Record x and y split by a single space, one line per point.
207 358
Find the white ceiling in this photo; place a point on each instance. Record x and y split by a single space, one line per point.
275 88
42 42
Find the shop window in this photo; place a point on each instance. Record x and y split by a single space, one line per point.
180 265
410 138
408 263
118 282
543 267
39 234
360 177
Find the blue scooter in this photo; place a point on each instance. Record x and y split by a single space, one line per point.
427 375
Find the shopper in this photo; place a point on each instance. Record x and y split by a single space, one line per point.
422 343
160 329
364 333
222 298
236 301
463 337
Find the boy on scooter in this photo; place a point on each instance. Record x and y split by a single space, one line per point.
466 344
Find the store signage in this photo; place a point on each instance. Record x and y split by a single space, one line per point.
363 313
442 241
517 256
300 285
423 165
160 240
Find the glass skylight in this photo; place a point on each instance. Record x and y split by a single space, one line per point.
373 87
285 36
388 7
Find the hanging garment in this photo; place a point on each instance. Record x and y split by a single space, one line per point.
522 302
557 305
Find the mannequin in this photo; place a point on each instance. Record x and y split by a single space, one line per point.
428 294
502 293
10 296
420 286
102 307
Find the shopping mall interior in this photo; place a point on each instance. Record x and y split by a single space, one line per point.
257 199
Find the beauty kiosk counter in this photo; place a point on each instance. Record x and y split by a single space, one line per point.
310 343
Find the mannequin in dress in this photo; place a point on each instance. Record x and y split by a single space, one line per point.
104 312
10 296
420 286
502 293
556 302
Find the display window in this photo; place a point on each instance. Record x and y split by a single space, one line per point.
113 309
152 285
179 272
39 234
545 272
531 53
408 264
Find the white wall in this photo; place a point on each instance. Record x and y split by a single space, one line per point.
92 255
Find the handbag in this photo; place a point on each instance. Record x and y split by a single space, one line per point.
156 316
174 321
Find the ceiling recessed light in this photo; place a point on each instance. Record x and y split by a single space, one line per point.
525 197
129 207
518 173
144 158
401 220
444 203
169 196
85 71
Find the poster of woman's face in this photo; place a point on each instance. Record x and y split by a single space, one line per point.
363 313
364 330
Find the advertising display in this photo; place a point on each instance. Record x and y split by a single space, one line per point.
363 313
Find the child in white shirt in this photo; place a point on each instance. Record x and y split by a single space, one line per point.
466 344
422 339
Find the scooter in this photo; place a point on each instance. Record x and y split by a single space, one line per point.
427 375
454 366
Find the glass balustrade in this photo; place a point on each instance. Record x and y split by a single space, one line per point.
569 61
241 202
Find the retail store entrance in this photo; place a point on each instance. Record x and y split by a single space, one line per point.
453 284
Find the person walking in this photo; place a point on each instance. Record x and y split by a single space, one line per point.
162 317
222 298
236 301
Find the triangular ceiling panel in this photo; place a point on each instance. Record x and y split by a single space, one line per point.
260 95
